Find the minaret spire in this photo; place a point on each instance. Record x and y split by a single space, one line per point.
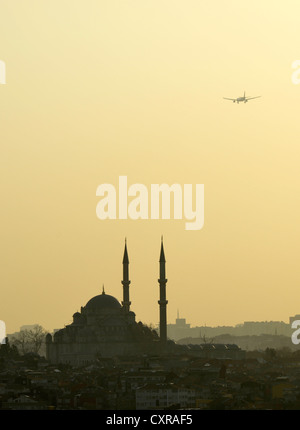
126 302
125 257
162 258
162 295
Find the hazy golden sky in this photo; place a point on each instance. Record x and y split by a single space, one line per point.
102 88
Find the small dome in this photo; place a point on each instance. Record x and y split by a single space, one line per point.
77 318
76 315
103 301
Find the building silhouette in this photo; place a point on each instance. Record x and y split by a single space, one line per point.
104 327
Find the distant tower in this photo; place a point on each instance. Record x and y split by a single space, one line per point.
126 302
162 295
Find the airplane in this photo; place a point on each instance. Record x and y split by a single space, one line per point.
242 99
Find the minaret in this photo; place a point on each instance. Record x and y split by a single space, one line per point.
126 302
162 295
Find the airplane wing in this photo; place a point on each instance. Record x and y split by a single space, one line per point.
251 98
228 98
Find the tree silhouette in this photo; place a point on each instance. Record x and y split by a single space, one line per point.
29 340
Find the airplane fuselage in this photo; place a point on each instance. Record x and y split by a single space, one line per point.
240 100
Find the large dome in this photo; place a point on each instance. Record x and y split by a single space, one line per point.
103 301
